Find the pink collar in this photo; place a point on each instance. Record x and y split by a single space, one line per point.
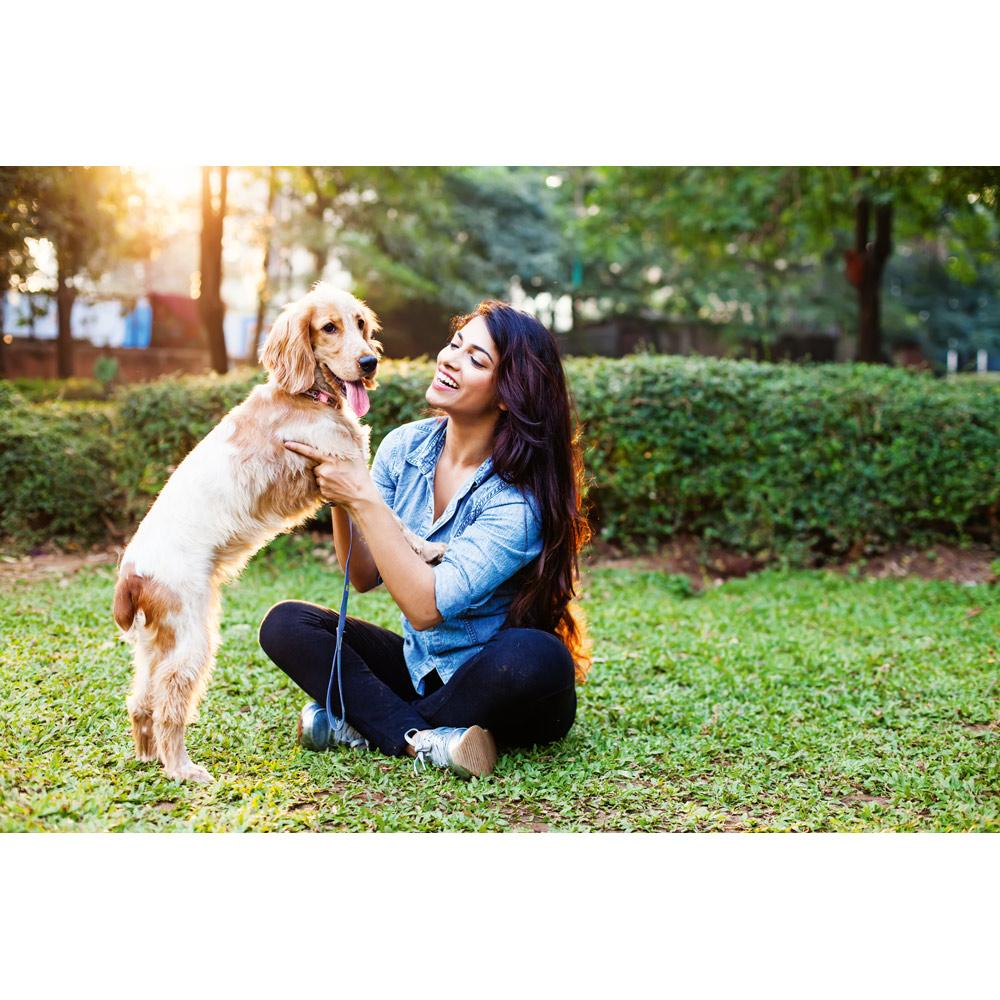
320 396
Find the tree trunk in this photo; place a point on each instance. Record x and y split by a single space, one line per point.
865 264
210 305
65 297
3 319
323 201
264 288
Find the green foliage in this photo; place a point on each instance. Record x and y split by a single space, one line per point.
801 461
441 236
944 304
106 371
9 395
785 701
84 212
44 390
757 251
57 473
804 463
160 422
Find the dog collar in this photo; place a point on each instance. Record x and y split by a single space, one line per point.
326 398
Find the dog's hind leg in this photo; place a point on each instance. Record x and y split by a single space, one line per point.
139 702
177 683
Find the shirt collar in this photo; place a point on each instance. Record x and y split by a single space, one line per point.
425 457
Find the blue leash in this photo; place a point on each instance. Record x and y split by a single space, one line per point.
335 667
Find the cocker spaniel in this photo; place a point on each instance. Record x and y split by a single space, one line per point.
235 491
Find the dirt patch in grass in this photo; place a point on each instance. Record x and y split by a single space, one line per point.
50 563
685 555
707 565
943 562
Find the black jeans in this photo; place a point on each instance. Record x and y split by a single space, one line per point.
520 686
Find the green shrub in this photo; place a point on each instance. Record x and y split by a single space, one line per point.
57 474
797 461
161 421
43 390
9 396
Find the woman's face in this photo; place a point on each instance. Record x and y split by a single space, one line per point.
465 381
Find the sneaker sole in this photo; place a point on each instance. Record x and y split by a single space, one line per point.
476 752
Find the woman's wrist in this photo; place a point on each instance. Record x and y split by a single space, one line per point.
365 501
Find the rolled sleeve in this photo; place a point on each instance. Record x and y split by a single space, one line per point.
385 468
385 475
503 539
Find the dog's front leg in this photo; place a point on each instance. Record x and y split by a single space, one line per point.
430 552
177 684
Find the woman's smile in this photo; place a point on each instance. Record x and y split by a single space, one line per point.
444 381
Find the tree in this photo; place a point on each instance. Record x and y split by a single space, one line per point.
264 287
18 223
81 211
210 304
426 242
754 248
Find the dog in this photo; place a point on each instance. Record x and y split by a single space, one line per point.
234 492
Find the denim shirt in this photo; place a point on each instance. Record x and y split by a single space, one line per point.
492 530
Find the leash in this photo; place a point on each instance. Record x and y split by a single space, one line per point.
335 666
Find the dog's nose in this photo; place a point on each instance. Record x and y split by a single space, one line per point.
368 363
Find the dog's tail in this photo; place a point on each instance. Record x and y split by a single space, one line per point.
147 603
128 595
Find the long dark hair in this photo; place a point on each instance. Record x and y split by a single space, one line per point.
536 448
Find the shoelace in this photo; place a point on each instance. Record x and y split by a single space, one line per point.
424 744
350 736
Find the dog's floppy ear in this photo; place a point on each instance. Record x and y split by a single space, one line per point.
288 354
372 325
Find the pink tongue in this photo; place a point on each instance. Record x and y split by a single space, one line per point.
357 396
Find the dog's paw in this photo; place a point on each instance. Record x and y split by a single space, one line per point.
431 552
190 771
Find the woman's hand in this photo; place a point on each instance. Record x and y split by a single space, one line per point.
344 481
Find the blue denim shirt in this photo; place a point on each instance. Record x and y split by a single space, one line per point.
492 529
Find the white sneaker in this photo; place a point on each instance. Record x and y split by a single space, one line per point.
469 752
316 733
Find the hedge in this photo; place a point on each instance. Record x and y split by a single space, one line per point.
45 390
58 473
803 462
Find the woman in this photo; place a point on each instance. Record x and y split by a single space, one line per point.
491 645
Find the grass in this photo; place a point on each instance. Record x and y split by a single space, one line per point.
783 701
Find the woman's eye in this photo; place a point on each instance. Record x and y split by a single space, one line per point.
329 328
457 347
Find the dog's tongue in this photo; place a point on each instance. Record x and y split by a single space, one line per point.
357 396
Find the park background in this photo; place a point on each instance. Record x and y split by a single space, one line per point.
790 429
828 263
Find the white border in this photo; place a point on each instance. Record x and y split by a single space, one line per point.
524 82
542 915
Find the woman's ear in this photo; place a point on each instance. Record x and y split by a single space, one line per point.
288 353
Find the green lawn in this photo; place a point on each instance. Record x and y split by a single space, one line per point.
783 701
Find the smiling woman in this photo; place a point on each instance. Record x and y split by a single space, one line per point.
491 643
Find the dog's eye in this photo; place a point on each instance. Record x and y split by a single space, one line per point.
329 328
361 324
